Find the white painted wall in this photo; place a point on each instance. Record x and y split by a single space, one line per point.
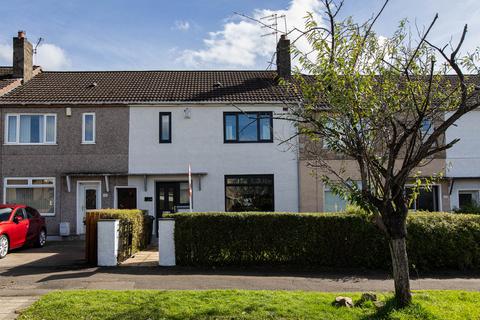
199 141
463 159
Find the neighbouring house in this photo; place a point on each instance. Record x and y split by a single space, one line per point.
76 141
463 162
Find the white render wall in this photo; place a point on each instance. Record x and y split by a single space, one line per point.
463 159
199 141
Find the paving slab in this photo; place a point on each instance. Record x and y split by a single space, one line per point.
12 305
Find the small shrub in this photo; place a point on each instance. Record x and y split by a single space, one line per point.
472 208
435 240
133 216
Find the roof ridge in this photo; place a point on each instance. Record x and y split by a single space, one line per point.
148 71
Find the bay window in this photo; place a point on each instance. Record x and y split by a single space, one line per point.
38 193
31 128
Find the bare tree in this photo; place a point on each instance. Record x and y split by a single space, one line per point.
385 103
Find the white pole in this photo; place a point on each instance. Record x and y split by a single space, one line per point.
190 186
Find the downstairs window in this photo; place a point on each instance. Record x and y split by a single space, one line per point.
249 193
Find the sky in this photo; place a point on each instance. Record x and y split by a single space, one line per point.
192 34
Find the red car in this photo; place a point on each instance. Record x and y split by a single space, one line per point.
20 225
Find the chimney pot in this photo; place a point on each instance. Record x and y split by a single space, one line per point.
21 34
284 64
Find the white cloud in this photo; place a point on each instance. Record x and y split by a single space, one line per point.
181 25
240 43
5 54
51 57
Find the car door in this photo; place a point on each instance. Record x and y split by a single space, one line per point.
20 222
34 224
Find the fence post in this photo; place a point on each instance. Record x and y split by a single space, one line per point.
166 242
107 252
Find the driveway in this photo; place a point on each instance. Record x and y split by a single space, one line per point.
54 254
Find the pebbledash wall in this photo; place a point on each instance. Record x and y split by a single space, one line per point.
463 159
68 155
199 141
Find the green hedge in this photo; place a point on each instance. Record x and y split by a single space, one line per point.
435 240
134 216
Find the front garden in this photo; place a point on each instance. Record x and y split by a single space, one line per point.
237 304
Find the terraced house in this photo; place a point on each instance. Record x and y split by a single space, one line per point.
75 141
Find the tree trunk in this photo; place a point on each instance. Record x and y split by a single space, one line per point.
401 276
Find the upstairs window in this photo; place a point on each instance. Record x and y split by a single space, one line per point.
88 128
248 127
31 129
426 129
165 127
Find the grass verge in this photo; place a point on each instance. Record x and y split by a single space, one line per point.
242 304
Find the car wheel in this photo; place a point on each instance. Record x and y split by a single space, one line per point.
42 238
3 246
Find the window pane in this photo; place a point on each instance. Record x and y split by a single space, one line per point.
165 127
247 127
427 127
31 128
41 199
230 127
42 181
12 129
426 199
465 200
265 129
88 134
17 181
333 202
91 199
50 131
249 196
127 198
184 194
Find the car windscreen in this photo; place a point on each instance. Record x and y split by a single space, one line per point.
5 213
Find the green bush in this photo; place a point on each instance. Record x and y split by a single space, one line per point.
134 216
471 208
435 240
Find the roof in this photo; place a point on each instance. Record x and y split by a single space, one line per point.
145 87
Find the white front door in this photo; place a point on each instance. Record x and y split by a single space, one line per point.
88 198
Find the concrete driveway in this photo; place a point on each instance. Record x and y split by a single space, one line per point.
54 254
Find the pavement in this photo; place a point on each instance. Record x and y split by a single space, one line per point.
28 273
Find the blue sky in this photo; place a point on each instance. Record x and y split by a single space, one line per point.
187 34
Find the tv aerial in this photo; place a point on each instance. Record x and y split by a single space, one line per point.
39 41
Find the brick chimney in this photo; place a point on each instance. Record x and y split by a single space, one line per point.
22 57
284 64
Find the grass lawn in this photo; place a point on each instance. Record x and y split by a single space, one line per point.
240 304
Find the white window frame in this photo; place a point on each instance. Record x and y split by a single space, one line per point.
94 128
115 195
17 140
475 195
32 186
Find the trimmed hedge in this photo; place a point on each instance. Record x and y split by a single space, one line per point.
435 240
133 216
